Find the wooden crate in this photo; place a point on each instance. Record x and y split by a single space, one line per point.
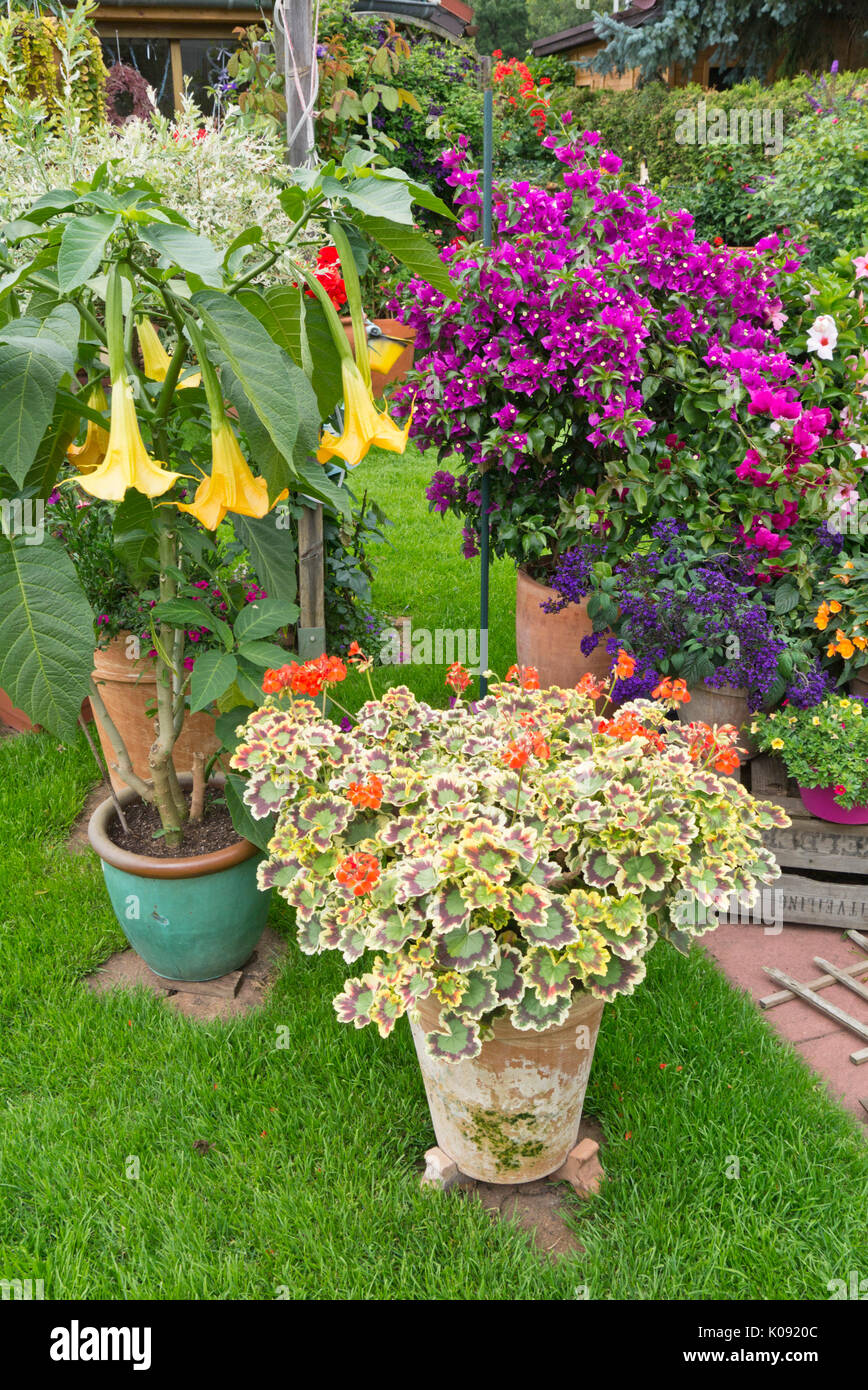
825 878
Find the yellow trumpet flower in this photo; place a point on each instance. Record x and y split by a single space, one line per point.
127 463
231 486
365 426
384 351
155 357
89 455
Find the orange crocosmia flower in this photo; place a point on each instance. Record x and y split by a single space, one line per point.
624 666
366 794
360 872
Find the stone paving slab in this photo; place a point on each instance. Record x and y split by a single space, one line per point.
741 951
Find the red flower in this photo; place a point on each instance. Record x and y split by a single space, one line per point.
360 872
368 794
839 790
516 753
457 678
525 676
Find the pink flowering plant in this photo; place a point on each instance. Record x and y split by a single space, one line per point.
609 370
502 856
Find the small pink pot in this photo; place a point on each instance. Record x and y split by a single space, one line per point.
820 802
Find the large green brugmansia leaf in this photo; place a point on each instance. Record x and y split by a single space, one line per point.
35 356
185 248
268 376
81 248
412 250
46 632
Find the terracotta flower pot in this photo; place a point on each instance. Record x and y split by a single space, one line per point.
551 641
513 1113
13 717
189 919
128 687
389 328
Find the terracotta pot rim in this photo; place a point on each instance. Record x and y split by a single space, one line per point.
144 866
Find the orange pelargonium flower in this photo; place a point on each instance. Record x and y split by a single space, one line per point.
674 690
727 761
356 657
624 666
516 753
457 678
525 676
360 872
368 794
590 686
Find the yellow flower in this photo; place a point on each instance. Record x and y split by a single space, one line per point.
845 704
127 462
89 455
815 720
365 426
754 728
155 357
231 486
777 743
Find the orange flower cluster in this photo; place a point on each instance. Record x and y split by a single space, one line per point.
518 750
627 725
308 679
624 666
674 690
589 685
457 678
368 794
705 746
356 657
361 872
525 676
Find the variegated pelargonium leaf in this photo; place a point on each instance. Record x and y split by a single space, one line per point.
639 871
463 949
352 943
557 928
705 881
388 928
532 1016
480 996
621 977
482 895
457 1040
422 953
301 895
590 954
353 1004
631 809
623 915
277 873
385 1010
599 868
447 790
262 795
415 877
403 830
450 988
529 905
508 979
309 933
322 818
447 909
487 855
549 973
766 814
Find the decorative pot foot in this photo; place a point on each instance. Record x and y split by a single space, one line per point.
442 1172
582 1169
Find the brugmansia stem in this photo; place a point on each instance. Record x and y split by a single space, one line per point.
167 792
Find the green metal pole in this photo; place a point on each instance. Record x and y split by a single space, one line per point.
485 490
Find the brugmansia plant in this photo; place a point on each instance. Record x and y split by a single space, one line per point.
223 424
502 857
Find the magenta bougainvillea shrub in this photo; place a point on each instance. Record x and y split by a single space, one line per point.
502 856
610 371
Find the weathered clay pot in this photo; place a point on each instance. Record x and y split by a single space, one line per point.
512 1114
551 641
728 705
13 717
128 687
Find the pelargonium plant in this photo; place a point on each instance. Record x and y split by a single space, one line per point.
502 856
607 369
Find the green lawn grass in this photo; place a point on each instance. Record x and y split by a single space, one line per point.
310 1188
